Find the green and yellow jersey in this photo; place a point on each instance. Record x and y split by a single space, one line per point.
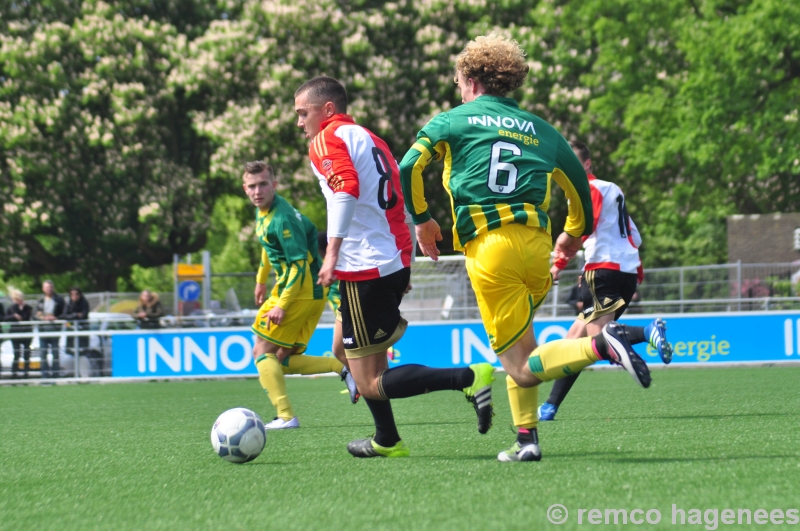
334 297
289 246
498 164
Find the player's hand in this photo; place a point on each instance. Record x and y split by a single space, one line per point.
275 315
260 293
327 273
428 234
567 246
556 272
408 288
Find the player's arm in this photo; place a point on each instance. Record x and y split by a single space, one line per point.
341 210
571 177
261 278
340 173
633 231
565 241
429 146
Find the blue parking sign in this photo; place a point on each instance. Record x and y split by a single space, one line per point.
189 290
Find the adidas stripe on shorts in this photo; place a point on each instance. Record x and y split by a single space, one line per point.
370 313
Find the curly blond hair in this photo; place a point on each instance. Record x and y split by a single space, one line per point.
497 62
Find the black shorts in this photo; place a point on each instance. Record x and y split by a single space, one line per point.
370 312
604 291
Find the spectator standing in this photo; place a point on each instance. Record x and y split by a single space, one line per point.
48 308
19 312
77 313
149 310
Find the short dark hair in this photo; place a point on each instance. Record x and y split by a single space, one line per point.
582 149
76 288
257 166
323 89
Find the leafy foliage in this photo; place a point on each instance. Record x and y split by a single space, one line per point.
124 125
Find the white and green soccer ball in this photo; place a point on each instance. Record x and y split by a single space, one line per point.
238 435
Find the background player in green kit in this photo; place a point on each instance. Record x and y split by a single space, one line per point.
498 164
287 318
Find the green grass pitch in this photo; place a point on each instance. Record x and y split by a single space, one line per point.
138 456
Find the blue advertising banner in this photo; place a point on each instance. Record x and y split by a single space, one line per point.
697 339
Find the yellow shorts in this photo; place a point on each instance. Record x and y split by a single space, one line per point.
509 268
298 324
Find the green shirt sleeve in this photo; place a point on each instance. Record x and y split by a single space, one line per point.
431 144
570 175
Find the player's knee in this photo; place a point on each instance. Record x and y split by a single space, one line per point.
283 353
369 389
524 378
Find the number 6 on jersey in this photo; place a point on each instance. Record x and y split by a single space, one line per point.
497 166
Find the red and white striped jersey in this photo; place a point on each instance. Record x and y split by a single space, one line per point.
349 158
615 240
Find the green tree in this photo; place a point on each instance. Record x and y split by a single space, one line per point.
394 58
99 165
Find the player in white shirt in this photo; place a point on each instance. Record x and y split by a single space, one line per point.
369 252
611 272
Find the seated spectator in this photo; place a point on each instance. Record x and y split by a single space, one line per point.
149 310
77 312
19 312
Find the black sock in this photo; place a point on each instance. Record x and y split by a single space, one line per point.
385 429
527 436
413 380
635 334
601 345
560 389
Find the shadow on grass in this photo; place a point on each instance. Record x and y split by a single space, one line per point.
492 457
400 425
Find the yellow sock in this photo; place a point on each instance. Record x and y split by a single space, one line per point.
271 378
523 404
564 357
302 364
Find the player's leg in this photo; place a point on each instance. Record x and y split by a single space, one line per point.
307 314
606 297
374 307
337 347
371 323
562 386
386 442
270 376
655 333
274 343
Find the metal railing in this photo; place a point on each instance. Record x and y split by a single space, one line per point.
442 291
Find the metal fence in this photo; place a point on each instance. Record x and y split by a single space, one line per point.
441 291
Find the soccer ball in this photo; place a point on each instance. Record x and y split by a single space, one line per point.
238 435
